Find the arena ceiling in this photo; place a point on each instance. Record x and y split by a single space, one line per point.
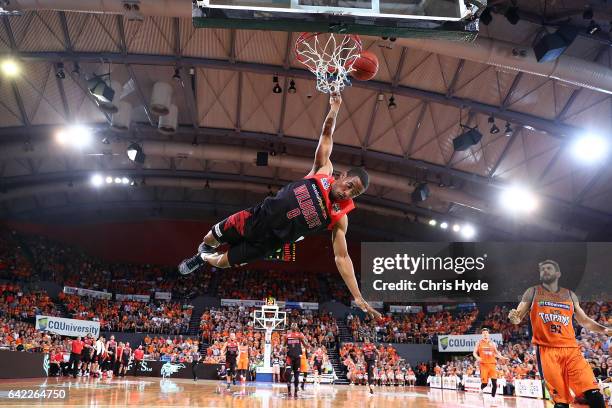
230 113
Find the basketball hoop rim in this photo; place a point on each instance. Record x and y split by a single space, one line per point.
305 36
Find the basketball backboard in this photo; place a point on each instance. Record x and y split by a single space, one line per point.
450 19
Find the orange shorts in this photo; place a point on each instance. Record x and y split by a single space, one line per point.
243 364
303 366
487 371
564 368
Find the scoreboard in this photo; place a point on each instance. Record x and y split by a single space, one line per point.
286 253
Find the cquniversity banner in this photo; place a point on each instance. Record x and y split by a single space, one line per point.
67 327
451 343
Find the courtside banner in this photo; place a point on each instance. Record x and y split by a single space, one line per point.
453 343
405 309
67 327
528 388
468 272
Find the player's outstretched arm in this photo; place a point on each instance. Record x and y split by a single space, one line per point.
516 315
345 265
322 164
585 321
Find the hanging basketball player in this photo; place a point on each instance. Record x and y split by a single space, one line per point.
301 208
561 364
486 354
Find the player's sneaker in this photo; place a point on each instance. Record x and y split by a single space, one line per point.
206 249
190 265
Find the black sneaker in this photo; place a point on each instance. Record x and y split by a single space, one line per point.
206 249
190 265
295 394
302 386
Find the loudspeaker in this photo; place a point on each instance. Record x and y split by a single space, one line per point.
262 158
467 140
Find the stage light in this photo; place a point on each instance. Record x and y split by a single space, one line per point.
125 180
117 180
276 89
468 232
136 154
518 199
59 71
444 225
433 222
10 68
75 136
109 179
392 105
467 139
456 228
97 180
494 129
508 131
99 89
420 193
292 88
590 148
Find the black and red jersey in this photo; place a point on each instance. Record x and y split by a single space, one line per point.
369 352
231 350
294 344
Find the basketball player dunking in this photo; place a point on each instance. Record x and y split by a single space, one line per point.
562 366
315 203
486 354
370 355
230 349
294 341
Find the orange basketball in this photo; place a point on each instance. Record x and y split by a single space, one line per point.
365 67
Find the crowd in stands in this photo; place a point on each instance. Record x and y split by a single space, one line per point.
151 317
497 321
175 349
411 327
13 264
258 284
18 303
390 368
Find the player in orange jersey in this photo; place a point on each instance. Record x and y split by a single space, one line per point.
243 360
561 365
485 352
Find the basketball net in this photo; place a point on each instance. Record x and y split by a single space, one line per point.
330 57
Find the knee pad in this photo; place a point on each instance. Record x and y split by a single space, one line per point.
594 399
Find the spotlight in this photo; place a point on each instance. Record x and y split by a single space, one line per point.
177 75
59 71
76 135
10 68
456 228
494 129
433 222
551 46
117 180
109 179
593 28
512 15
420 193
392 105
292 88
468 231
467 139
276 89
98 88
590 148
97 180
486 17
444 225
125 180
136 154
518 199
508 131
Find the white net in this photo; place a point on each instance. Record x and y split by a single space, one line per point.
330 57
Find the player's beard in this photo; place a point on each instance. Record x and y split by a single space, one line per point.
548 279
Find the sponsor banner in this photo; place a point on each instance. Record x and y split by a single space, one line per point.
67 327
462 272
451 343
449 383
405 309
242 302
17 364
466 306
70 290
434 308
137 298
163 295
472 384
528 388
374 304
435 381
299 305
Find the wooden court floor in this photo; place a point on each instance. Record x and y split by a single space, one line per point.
156 392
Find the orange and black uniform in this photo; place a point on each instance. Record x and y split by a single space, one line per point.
231 353
486 351
243 362
369 355
299 209
560 361
294 353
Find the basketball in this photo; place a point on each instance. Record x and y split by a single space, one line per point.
365 67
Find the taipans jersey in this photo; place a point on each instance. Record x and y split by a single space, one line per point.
244 352
369 352
294 344
303 207
486 351
231 350
551 318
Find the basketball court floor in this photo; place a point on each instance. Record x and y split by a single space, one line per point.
156 392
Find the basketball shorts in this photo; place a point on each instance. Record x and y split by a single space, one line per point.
276 369
303 366
248 235
230 366
564 368
487 372
243 364
318 366
85 356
